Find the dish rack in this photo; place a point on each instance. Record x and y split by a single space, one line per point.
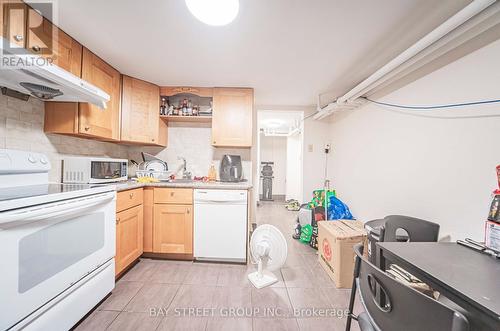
160 175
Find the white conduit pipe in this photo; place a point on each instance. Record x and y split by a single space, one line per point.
452 23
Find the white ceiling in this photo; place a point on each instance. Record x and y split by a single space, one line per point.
279 121
288 50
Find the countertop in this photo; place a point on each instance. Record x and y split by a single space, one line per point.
131 184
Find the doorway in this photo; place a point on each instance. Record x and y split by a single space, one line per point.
279 155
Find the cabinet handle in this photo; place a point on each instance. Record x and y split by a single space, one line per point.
18 37
117 220
131 195
187 211
171 194
36 48
87 128
153 139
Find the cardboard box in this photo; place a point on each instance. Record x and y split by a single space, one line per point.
335 246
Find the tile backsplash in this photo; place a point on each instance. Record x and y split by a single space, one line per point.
194 144
21 127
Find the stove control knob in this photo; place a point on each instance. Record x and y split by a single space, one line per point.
31 158
43 160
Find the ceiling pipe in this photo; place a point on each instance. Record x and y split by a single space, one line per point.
449 25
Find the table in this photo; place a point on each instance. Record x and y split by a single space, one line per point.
468 278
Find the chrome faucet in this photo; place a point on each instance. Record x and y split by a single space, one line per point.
185 174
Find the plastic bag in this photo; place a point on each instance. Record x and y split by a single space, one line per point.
337 210
306 233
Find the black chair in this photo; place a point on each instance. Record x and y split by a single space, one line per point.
418 230
404 308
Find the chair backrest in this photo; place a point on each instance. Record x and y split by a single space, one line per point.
404 308
418 230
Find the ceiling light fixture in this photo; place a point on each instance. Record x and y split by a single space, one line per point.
214 12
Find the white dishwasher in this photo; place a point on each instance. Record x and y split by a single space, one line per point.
220 225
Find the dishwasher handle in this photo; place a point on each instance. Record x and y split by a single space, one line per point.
220 196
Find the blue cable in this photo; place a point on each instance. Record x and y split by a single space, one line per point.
434 107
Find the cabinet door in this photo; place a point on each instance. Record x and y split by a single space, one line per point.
13 24
140 111
173 229
232 117
129 237
94 121
162 134
45 39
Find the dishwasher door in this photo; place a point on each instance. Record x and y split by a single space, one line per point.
220 225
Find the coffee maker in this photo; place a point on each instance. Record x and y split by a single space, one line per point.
231 169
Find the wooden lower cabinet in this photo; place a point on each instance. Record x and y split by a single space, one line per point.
173 229
148 204
129 237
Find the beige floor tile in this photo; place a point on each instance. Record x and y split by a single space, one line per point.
234 276
229 324
338 298
170 273
202 274
298 277
270 301
191 296
316 324
321 278
141 272
294 260
183 324
128 321
97 321
121 295
227 298
275 324
308 298
152 296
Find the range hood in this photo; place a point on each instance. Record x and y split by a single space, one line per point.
46 82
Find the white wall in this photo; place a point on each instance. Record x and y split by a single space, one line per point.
294 159
21 128
443 170
273 149
316 136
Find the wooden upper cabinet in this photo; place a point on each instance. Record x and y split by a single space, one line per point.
169 91
83 119
140 111
232 119
94 121
13 25
45 39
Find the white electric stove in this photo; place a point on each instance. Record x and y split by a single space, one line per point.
58 244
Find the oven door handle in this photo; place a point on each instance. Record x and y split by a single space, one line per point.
60 209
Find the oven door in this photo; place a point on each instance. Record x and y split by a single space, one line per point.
48 248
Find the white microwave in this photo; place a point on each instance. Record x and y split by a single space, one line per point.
94 170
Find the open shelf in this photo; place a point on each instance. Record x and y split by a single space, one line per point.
186 119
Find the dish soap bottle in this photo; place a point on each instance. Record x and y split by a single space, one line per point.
212 173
